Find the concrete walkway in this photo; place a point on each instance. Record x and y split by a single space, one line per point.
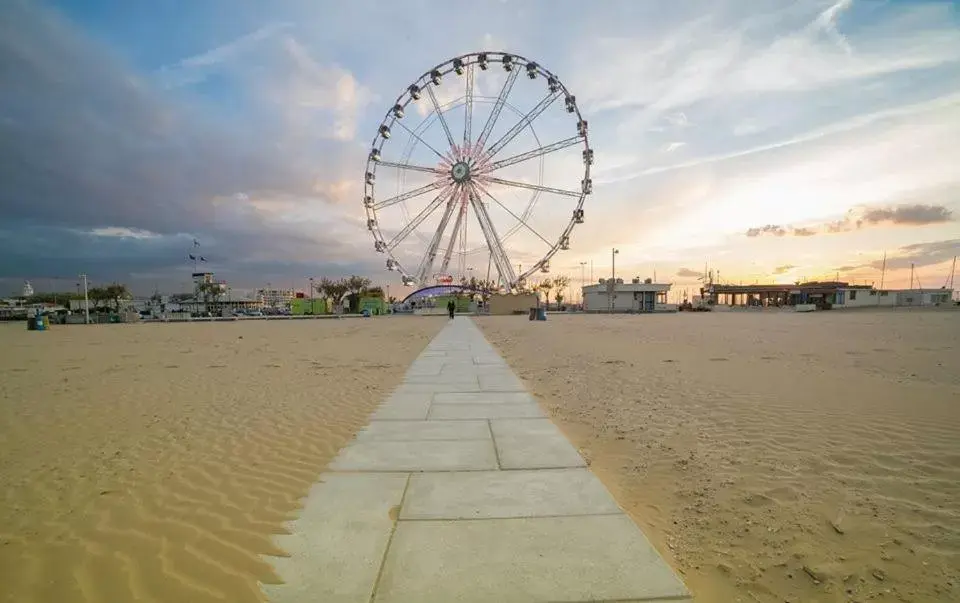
461 490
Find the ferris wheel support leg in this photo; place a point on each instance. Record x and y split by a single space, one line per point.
426 265
453 238
494 244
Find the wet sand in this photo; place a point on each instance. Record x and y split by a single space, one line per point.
152 463
769 456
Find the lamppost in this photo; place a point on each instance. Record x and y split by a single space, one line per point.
583 283
311 295
86 300
613 278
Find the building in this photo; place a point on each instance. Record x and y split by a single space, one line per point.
869 297
276 298
635 296
832 294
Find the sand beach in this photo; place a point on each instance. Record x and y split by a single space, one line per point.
770 456
153 462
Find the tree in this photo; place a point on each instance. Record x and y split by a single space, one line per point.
336 290
356 285
323 287
209 291
113 295
546 285
560 282
375 291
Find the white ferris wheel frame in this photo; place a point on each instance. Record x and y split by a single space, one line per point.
465 171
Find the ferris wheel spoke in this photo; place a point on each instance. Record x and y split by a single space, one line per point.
497 107
468 110
409 195
410 166
426 264
419 218
535 187
525 121
424 142
494 244
443 121
550 148
515 216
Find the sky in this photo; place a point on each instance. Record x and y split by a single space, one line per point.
768 140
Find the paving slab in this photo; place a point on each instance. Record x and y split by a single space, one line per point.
483 398
404 407
421 455
484 411
506 494
336 545
432 388
464 381
425 430
588 558
533 444
504 382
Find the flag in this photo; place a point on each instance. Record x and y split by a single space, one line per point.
203 259
192 257
196 243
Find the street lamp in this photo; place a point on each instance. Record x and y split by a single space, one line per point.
583 283
613 278
86 300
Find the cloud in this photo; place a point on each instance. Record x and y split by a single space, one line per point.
123 232
909 214
89 149
916 255
903 215
783 269
920 254
688 273
769 229
197 68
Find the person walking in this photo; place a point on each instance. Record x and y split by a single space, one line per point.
451 308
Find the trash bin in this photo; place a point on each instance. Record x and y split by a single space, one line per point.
366 312
533 313
541 314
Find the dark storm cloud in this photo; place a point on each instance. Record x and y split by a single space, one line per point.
86 144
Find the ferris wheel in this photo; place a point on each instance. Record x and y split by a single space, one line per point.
467 146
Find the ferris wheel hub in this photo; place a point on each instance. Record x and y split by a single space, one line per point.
460 172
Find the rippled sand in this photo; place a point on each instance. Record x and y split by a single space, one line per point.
771 457
151 463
